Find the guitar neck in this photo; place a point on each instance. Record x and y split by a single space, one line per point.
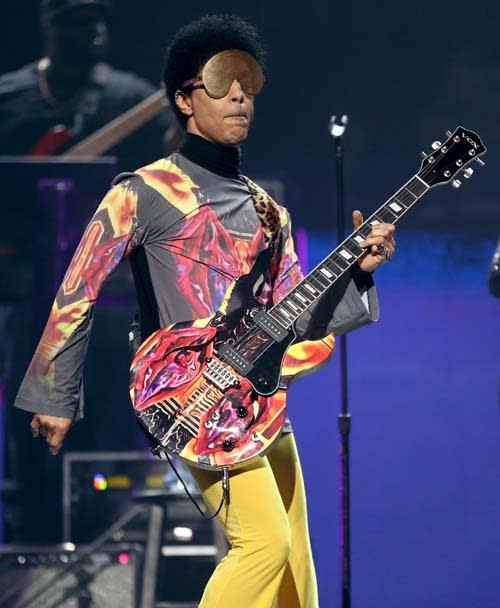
323 276
121 127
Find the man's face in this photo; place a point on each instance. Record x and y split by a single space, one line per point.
225 121
78 38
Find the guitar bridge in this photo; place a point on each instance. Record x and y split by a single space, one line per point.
219 375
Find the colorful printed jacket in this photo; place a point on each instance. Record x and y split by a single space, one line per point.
188 233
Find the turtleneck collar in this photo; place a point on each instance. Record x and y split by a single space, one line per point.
219 159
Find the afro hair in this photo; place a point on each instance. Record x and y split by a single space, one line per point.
195 43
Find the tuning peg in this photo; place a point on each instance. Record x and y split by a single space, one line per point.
479 162
456 183
423 154
449 133
436 145
468 173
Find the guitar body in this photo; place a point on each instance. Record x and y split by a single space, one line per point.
55 141
185 413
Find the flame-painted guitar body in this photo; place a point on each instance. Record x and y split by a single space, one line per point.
213 391
193 404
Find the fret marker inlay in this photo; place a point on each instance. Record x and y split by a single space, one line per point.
345 254
326 272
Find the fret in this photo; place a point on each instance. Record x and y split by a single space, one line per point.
399 199
406 197
330 264
310 288
387 215
291 308
417 186
408 190
340 261
278 318
353 247
319 279
288 300
293 297
282 310
396 208
346 254
364 230
325 272
301 296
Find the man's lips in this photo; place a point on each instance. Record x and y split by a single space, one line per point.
237 118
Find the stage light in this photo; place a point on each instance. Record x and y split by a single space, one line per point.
184 534
100 483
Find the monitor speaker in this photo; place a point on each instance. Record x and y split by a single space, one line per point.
49 577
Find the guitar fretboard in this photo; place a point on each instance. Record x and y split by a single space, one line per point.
324 275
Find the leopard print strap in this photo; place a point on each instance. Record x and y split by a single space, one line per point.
267 211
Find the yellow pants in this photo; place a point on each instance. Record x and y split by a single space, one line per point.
269 564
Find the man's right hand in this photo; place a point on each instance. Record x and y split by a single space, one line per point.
53 428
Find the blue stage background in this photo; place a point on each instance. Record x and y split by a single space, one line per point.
424 398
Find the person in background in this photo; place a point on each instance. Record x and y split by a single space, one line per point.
72 85
494 274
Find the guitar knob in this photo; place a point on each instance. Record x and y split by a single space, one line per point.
456 183
216 416
436 145
242 411
228 445
468 172
236 384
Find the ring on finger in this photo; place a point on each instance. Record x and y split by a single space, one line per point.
385 251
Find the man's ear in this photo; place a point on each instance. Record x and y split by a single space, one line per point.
184 103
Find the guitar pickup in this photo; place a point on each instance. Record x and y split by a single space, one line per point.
270 326
230 355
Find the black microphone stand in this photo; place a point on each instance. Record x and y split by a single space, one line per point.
337 129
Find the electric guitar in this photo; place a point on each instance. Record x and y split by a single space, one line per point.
58 139
213 391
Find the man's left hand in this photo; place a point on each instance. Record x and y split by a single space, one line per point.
382 235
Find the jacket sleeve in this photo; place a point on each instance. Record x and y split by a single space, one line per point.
53 383
350 303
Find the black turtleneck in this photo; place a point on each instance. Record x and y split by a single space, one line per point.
214 157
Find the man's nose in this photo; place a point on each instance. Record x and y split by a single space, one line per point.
236 92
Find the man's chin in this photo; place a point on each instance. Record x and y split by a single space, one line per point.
236 136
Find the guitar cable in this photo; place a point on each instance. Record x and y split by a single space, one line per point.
225 490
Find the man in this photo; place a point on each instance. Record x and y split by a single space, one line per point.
74 87
191 227
494 273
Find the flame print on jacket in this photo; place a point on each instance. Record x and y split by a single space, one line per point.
57 363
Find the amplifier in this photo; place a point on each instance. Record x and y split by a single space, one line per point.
48 577
99 486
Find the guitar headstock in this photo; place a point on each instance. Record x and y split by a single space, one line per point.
460 149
